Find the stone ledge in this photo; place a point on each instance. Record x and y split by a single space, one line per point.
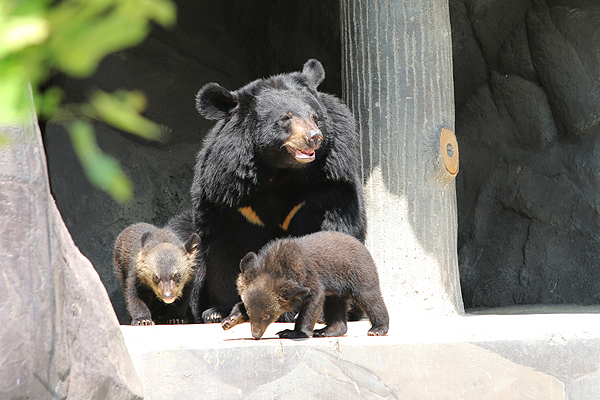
540 356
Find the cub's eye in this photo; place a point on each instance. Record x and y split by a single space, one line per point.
156 279
316 119
176 277
266 317
285 117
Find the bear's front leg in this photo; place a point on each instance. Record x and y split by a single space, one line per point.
237 316
138 309
308 315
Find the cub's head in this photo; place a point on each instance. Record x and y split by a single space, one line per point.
282 115
265 295
166 267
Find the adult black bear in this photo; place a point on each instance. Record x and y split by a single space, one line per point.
282 160
314 273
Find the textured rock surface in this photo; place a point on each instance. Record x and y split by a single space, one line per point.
527 77
59 337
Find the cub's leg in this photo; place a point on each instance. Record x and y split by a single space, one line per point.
373 305
334 311
237 316
138 309
309 313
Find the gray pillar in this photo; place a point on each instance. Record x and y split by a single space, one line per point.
397 73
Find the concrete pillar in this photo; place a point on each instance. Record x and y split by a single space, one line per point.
397 72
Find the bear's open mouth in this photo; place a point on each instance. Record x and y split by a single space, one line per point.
301 155
168 300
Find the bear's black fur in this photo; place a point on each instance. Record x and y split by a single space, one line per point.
282 160
314 273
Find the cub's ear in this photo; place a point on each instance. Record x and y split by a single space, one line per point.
249 262
292 291
145 237
213 101
314 71
191 246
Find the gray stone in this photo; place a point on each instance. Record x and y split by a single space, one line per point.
60 338
528 191
485 357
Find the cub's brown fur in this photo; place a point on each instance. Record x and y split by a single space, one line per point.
314 273
155 269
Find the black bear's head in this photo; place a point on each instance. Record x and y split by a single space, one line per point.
282 115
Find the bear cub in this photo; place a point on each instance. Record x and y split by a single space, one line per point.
155 269
310 274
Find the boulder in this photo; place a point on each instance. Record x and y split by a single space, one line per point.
60 337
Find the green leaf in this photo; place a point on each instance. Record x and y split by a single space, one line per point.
122 111
20 32
102 170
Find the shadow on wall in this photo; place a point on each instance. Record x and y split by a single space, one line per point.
527 88
230 43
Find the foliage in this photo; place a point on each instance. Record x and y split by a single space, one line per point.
42 37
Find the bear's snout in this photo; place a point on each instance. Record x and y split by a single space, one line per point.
314 138
304 139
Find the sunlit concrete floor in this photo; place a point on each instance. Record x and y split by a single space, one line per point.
540 352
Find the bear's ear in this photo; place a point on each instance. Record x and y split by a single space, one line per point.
191 246
249 262
145 237
213 101
291 291
314 71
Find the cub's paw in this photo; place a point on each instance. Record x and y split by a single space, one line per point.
228 323
378 331
233 320
320 332
211 315
338 329
290 334
142 321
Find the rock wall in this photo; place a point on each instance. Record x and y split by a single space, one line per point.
59 338
527 79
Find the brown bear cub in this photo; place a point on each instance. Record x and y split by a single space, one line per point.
310 274
155 269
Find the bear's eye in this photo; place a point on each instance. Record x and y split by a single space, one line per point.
266 317
156 279
176 277
285 118
316 119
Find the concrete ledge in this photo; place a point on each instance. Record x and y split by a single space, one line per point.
540 356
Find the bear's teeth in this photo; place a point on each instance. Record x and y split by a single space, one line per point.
301 155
